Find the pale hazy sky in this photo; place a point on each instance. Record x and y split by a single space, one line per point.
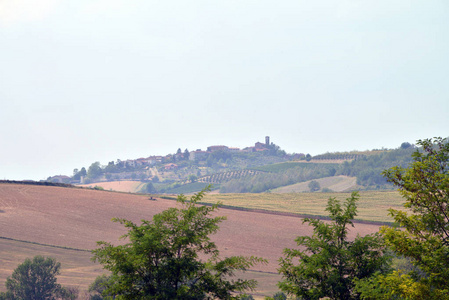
85 81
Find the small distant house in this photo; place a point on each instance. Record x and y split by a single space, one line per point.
171 166
217 148
152 160
130 163
141 162
259 145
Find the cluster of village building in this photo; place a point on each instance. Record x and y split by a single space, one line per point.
170 159
197 155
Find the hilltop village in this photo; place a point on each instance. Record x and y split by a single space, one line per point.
264 167
180 166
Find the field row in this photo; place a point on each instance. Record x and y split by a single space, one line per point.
226 176
372 205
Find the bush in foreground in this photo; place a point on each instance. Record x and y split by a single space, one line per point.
161 260
36 279
328 262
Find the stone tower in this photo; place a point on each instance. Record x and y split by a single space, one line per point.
267 140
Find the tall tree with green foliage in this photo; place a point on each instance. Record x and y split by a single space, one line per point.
97 287
35 280
423 236
328 262
94 170
314 186
161 260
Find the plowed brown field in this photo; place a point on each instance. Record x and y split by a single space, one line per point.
77 218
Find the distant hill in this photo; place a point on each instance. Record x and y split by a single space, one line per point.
260 168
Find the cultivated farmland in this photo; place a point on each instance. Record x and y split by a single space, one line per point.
128 186
73 219
372 205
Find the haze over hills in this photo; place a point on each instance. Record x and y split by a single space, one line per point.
263 167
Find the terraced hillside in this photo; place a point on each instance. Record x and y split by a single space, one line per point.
226 176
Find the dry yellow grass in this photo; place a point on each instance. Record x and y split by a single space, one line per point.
372 205
335 183
127 186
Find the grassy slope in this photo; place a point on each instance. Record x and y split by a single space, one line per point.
372 205
127 186
282 167
335 183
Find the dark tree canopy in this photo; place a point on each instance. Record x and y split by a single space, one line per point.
328 262
161 260
35 280
94 170
314 186
424 236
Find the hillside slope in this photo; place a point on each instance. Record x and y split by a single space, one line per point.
127 186
335 183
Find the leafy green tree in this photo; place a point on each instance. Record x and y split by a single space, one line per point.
424 233
111 167
35 280
161 260
406 145
186 154
192 178
83 171
368 169
210 161
97 288
78 173
149 188
328 262
314 186
94 170
277 296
